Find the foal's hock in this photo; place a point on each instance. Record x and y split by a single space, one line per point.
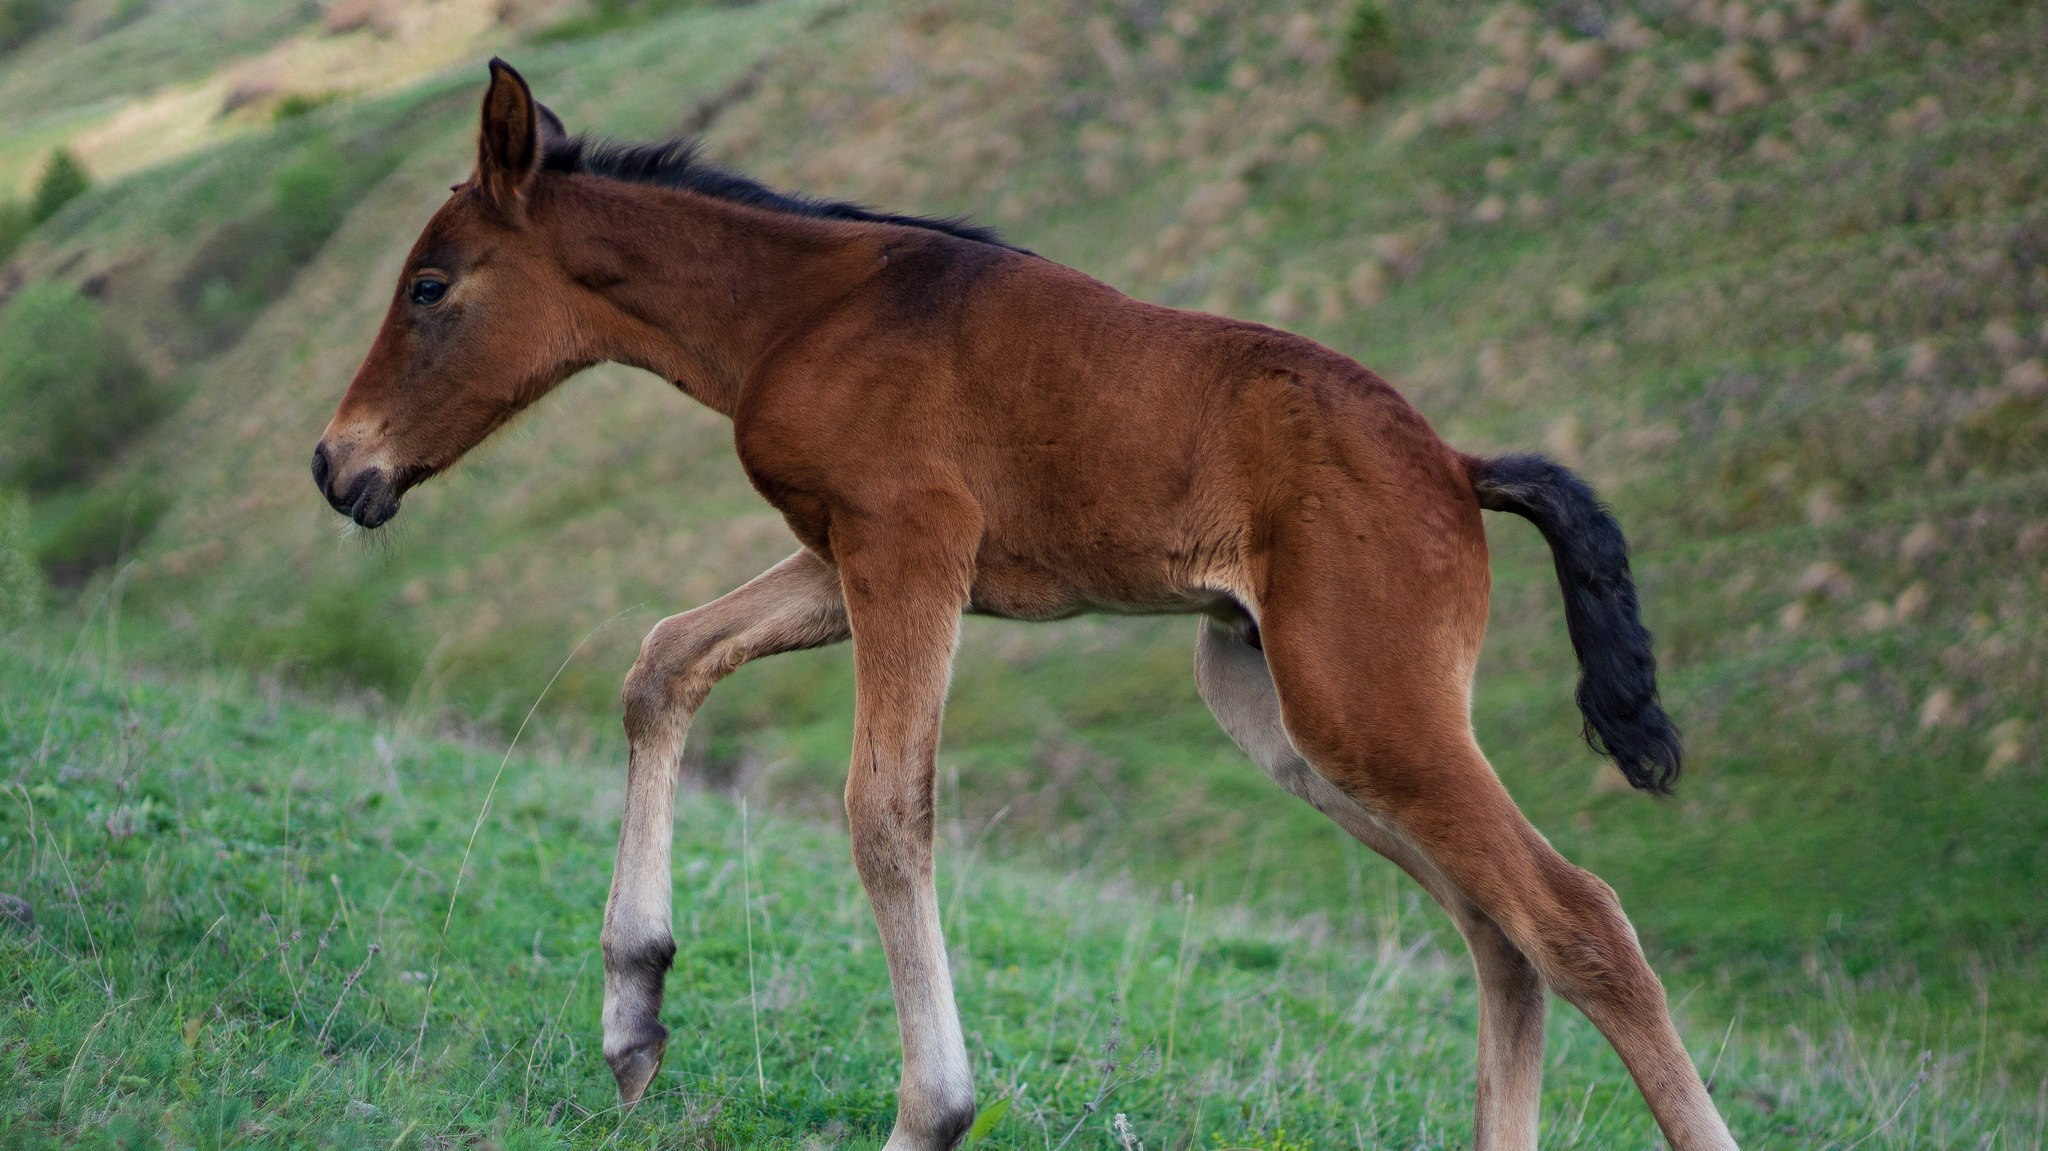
950 424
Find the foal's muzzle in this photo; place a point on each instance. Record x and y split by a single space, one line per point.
370 499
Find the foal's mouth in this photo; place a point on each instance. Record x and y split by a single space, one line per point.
372 500
372 497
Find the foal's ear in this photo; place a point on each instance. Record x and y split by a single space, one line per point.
508 148
552 132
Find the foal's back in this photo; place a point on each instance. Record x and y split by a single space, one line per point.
1123 456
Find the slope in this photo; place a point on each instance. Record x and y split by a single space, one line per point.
1773 275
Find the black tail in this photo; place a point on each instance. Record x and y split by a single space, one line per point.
1617 671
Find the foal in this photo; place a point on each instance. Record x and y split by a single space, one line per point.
950 425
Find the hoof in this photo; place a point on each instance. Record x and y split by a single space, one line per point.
635 1067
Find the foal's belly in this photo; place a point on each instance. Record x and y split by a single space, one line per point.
1014 587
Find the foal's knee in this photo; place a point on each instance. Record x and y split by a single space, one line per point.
671 677
891 830
645 698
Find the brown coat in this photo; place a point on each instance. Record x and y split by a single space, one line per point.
949 424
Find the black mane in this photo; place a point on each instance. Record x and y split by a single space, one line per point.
676 164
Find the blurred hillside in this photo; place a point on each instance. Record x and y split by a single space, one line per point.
1774 275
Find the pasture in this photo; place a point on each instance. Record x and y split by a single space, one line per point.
1773 275
261 922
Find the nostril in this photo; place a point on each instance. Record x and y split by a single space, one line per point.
323 470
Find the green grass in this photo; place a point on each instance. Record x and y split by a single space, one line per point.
261 923
1796 343
94 58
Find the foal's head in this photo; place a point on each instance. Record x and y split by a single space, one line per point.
480 326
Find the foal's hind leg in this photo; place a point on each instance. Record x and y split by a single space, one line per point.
1238 688
1381 712
794 605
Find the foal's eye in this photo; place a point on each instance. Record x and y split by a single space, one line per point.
427 291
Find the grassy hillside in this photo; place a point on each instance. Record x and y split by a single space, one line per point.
259 923
1774 275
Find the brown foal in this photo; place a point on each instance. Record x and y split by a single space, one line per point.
950 425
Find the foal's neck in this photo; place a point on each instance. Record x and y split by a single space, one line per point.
700 290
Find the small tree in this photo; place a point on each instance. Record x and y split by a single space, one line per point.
64 180
1368 61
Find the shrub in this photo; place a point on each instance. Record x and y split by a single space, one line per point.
63 181
351 633
128 12
72 391
252 260
300 104
86 530
310 199
604 16
22 20
1368 62
21 590
14 226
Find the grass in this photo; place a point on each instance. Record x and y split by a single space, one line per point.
252 929
84 68
1774 281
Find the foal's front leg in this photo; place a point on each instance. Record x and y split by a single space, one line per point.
904 600
794 605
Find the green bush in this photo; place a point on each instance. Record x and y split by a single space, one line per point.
21 590
128 12
300 104
252 260
63 180
87 529
1369 63
72 391
345 630
15 226
605 16
22 20
351 634
310 197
